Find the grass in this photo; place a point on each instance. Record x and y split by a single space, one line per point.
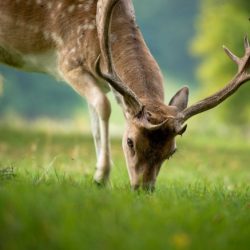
48 200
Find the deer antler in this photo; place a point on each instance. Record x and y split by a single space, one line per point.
105 10
212 101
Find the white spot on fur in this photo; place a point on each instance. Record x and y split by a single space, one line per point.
71 8
91 26
88 5
72 51
57 38
46 35
86 8
86 26
49 5
78 29
59 6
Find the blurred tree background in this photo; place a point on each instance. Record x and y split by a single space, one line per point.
184 36
31 95
222 21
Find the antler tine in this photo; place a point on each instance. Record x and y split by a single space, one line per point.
246 42
212 101
105 13
230 54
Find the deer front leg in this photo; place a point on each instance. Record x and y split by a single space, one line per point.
95 127
87 86
100 133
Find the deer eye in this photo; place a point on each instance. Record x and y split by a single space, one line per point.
130 143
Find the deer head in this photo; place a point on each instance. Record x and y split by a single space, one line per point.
149 139
151 126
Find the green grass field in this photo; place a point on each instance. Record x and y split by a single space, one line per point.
48 200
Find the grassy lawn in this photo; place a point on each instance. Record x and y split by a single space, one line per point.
48 200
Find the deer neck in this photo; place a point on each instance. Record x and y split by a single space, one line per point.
132 59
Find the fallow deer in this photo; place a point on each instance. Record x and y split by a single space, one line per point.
95 46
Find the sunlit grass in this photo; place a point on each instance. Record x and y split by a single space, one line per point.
48 199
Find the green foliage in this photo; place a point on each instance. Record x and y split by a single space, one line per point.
223 21
201 202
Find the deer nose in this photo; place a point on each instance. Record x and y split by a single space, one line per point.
144 177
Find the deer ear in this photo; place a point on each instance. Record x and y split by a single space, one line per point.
180 99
